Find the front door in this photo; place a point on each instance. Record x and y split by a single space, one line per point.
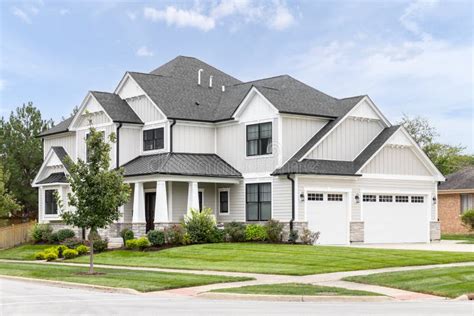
150 210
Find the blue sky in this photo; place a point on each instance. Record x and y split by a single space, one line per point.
413 57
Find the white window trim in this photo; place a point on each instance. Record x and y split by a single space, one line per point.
201 190
219 200
270 120
256 181
51 216
165 127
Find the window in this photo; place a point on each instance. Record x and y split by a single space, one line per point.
334 197
50 205
224 201
369 198
86 146
385 198
153 139
259 201
201 199
417 199
467 202
315 197
401 199
259 139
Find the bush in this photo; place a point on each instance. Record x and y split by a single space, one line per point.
70 253
255 232
72 242
64 234
52 250
131 244
101 245
61 249
308 237
218 235
174 235
41 233
126 234
82 250
200 226
156 237
468 219
293 236
140 243
274 230
41 255
53 238
234 232
51 256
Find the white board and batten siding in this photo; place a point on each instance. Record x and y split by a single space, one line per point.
81 141
347 140
396 160
145 109
65 140
129 143
194 138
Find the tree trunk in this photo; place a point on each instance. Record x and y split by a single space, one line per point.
91 256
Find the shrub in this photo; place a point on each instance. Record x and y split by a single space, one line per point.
255 232
61 249
65 233
50 256
41 255
72 242
70 253
101 245
131 244
143 243
274 230
200 226
218 235
308 237
468 219
52 250
293 236
234 232
174 235
82 250
53 238
156 237
126 234
41 233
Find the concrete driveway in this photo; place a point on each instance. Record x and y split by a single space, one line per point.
443 245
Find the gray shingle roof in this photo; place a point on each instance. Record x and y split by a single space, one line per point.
461 180
62 154
60 128
209 165
118 109
58 177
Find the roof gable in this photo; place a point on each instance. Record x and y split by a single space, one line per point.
460 180
56 157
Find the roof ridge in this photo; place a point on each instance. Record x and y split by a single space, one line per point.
248 82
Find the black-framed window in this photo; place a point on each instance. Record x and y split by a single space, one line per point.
200 198
259 201
87 146
259 139
153 139
50 204
224 201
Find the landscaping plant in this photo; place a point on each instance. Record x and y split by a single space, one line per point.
50 256
468 219
41 233
174 235
61 249
274 230
141 243
234 232
126 234
82 250
308 237
156 237
255 232
201 226
72 242
293 236
70 254
64 234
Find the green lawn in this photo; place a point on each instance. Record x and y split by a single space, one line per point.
276 258
449 282
23 252
143 281
295 289
468 238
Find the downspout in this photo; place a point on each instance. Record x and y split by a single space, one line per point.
171 135
292 201
117 154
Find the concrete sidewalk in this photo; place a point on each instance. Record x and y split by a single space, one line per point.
443 245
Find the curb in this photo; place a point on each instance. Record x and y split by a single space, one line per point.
293 298
71 285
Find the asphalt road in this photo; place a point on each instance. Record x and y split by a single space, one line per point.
26 298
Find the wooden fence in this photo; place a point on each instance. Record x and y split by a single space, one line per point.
16 234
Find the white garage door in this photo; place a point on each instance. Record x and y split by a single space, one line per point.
328 213
395 218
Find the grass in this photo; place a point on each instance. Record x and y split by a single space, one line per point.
276 258
143 281
23 252
468 238
295 289
448 282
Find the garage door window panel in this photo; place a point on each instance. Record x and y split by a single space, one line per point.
335 197
401 199
315 197
369 198
417 199
385 198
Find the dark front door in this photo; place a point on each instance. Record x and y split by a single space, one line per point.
150 210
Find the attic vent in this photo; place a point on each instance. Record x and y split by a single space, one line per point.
223 88
199 76
210 81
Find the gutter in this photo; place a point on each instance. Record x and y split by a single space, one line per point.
292 201
117 155
171 135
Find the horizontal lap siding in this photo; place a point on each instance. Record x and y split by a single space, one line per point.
237 203
209 195
281 199
66 140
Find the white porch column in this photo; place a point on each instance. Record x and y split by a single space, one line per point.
40 205
138 203
193 197
161 203
122 214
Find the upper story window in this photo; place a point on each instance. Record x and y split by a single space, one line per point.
153 139
50 204
259 139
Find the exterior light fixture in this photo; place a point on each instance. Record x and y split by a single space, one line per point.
302 197
434 200
357 198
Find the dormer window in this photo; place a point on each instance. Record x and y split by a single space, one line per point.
259 139
153 139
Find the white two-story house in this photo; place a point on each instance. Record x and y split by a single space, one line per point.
192 136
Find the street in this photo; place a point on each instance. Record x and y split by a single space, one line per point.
28 298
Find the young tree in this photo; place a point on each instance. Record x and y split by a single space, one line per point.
22 152
97 190
8 204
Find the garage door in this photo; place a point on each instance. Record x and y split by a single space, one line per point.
395 218
328 214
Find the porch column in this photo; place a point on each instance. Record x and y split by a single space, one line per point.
161 203
122 214
193 197
138 203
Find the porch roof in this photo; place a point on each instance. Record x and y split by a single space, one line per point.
188 164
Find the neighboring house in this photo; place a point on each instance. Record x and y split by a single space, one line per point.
455 197
192 136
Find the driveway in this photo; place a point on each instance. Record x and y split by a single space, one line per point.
443 245
25 298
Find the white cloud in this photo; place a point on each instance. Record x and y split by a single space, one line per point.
22 15
283 19
64 12
180 18
144 52
415 11
131 15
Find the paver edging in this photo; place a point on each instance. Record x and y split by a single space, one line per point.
293 298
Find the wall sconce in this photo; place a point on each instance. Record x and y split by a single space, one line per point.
434 200
302 197
357 198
